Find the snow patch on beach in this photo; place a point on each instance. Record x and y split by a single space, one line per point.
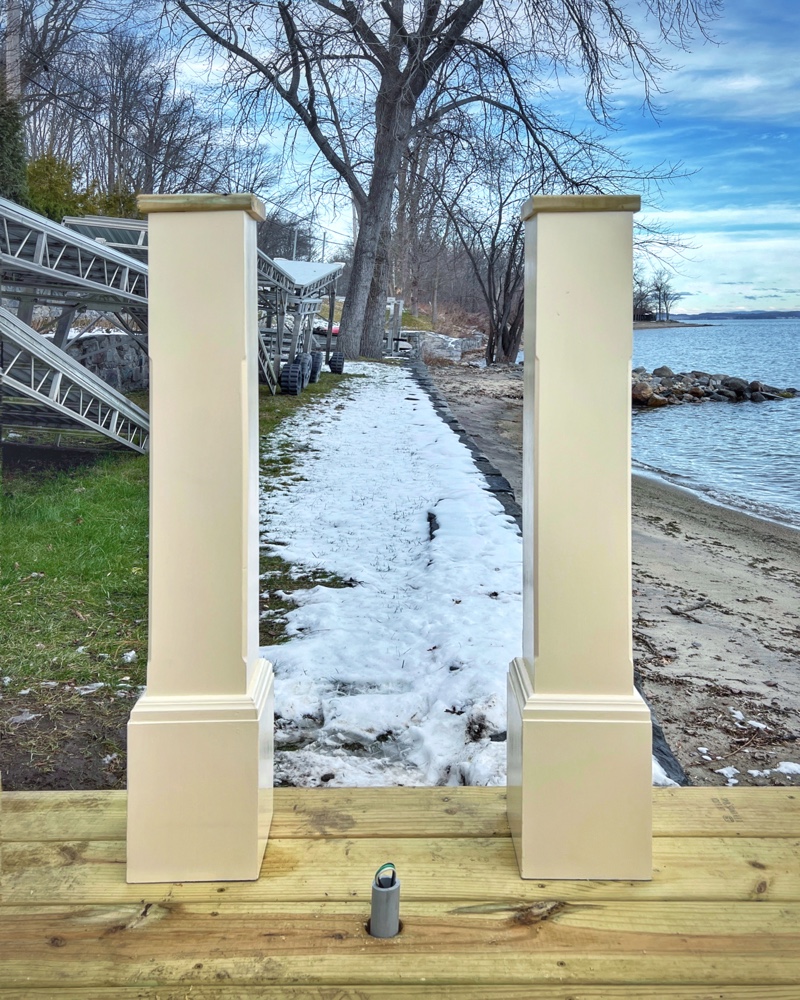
399 678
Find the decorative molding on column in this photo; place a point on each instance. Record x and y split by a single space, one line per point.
200 740
149 204
580 203
579 735
200 798
579 771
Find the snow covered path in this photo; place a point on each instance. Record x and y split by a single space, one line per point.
401 677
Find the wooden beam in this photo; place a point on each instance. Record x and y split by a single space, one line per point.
540 943
710 869
486 991
313 813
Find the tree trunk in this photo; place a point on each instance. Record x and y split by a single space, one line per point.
375 316
393 118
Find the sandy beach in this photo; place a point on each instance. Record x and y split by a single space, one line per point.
716 604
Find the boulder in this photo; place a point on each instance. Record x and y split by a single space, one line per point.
641 393
641 370
656 400
738 385
664 372
758 397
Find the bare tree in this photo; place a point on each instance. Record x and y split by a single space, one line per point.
643 304
358 78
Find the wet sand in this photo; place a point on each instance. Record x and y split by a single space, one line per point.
716 603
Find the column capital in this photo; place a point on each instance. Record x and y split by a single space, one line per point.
242 202
580 203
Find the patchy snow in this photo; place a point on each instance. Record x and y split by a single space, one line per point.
787 767
24 716
660 776
400 677
729 772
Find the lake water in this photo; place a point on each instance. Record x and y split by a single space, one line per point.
744 455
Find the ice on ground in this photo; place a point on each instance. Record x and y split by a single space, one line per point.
660 776
399 677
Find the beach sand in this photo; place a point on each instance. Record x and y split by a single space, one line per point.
716 597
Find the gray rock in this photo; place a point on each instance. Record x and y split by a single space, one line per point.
738 385
641 393
758 397
664 372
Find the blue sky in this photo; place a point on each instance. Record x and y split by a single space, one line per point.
731 114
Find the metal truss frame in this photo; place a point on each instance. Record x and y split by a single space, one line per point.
51 263
43 387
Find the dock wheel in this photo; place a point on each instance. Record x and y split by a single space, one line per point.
292 379
306 362
317 360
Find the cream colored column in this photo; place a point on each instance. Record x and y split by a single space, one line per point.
200 739
579 735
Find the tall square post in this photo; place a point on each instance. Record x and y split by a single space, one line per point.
579 734
200 740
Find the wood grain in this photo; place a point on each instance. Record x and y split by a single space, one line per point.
319 944
85 872
719 921
409 812
487 991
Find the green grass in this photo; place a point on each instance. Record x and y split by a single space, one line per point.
74 563
411 322
73 571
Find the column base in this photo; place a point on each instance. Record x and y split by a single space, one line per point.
200 784
579 783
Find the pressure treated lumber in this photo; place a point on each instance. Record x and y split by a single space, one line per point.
720 921
410 812
397 992
550 941
715 869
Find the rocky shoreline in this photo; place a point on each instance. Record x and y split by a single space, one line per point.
715 618
663 387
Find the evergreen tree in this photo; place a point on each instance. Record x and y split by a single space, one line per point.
13 181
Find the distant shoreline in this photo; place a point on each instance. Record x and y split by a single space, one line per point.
659 324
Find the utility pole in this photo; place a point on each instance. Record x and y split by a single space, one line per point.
294 247
13 42
324 238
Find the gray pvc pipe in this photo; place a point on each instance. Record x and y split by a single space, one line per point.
384 921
